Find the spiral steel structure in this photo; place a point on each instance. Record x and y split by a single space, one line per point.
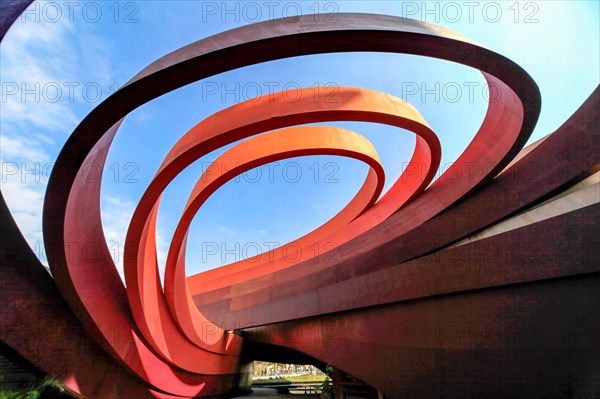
399 258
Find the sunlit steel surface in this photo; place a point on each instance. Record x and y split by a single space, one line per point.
191 338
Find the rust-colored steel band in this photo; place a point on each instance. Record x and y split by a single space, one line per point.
145 291
141 271
259 150
351 104
147 298
93 288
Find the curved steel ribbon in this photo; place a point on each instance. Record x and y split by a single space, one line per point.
358 104
93 288
145 291
269 147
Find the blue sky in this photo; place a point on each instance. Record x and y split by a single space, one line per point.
62 58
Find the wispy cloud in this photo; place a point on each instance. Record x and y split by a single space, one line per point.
22 148
44 68
36 62
116 214
116 217
25 199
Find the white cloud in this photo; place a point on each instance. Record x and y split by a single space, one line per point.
40 62
161 252
22 149
24 192
116 215
36 62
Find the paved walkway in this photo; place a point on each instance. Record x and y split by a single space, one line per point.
258 393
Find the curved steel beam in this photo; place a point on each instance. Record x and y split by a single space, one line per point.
71 209
254 152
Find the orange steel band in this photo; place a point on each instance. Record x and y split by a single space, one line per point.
143 285
256 151
93 288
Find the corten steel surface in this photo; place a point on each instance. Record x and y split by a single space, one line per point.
354 104
270 147
9 12
71 209
364 104
386 271
36 322
556 162
524 341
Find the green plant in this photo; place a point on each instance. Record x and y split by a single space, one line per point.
327 386
46 387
